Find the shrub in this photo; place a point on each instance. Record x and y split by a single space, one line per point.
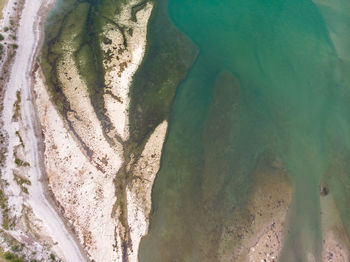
8 255
13 257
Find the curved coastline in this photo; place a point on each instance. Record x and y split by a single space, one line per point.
20 81
108 99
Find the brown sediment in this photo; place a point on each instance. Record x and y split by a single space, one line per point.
270 202
259 230
334 249
323 189
336 244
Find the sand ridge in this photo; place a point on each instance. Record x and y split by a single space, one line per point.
123 62
83 182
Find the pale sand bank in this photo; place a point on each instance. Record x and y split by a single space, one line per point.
83 184
33 219
139 193
336 244
84 192
123 63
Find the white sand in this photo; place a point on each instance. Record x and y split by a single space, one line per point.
86 193
124 63
28 36
139 196
84 187
336 245
85 121
268 243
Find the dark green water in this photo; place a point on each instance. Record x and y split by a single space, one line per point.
269 77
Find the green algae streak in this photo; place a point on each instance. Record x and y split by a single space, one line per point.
78 27
288 91
271 81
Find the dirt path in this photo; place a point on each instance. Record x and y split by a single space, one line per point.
20 80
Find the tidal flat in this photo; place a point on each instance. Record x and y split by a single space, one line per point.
114 111
251 99
270 81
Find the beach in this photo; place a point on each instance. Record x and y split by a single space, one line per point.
23 137
178 130
48 173
108 220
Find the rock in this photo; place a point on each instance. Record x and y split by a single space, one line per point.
323 189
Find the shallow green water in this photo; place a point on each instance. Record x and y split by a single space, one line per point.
271 76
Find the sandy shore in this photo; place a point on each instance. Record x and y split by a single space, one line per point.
121 68
83 192
34 216
69 208
84 185
336 244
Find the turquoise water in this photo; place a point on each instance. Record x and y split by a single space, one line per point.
271 76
